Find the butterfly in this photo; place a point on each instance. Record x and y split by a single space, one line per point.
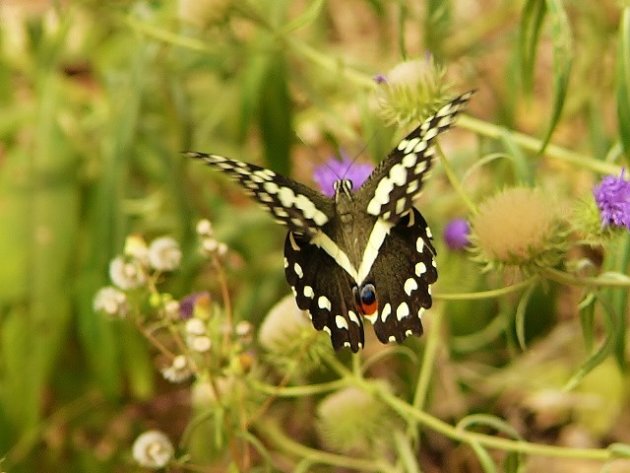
364 253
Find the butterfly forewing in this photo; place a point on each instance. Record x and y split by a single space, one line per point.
295 205
390 189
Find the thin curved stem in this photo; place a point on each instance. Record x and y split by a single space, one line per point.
534 144
490 294
572 280
274 435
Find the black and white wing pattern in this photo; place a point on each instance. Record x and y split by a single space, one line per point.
295 205
390 189
362 255
323 289
403 273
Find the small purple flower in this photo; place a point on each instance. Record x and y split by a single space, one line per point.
613 200
333 170
456 234
380 79
187 304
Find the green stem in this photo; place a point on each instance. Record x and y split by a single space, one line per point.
454 180
489 441
426 370
534 144
298 391
492 293
274 435
572 280
335 66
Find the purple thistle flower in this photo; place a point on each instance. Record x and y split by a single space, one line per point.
612 196
456 234
333 170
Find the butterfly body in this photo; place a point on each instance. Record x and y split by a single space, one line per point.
364 253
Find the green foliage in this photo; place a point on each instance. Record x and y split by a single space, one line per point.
99 98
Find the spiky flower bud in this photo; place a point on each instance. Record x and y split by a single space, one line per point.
411 91
352 420
286 334
519 227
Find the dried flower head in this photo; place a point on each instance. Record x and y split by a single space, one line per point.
334 169
612 196
178 371
136 249
209 244
126 273
164 254
411 91
457 234
352 420
153 449
519 227
111 301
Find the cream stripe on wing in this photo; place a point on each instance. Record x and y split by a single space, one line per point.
379 231
323 241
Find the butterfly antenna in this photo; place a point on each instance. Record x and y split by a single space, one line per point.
314 152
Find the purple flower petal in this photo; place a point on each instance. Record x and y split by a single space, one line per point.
612 196
380 79
187 304
456 234
333 170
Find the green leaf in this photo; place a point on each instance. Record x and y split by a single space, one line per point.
519 318
485 460
587 317
276 115
437 25
623 82
306 18
562 59
522 166
513 463
529 34
531 21
612 323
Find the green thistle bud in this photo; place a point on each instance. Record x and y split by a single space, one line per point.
412 91
352 420
288 337
519 227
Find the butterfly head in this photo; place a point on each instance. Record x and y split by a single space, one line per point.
343 187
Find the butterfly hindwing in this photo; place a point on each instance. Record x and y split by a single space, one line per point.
295 205
390 189
402 274
324 289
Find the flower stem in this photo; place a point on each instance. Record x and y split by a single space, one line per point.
490 294
569 279
534 144
275 436
455 182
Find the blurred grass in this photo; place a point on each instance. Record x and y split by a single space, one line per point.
98 98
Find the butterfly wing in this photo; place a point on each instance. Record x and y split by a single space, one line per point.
402 274
324 289
391 187
295 205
